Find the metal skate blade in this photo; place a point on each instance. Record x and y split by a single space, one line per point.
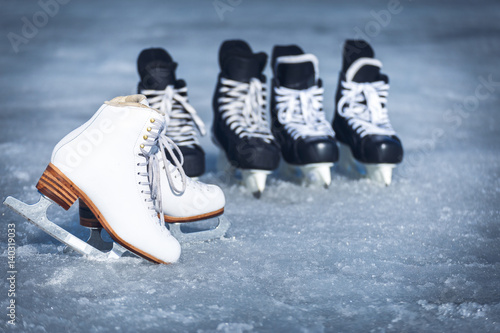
37 215
95 239
200 236
255 181
317 174
118 251
381 173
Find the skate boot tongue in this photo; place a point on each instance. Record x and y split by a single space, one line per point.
160 76
369 71
243 67
297 72
156 69
359 63
353 50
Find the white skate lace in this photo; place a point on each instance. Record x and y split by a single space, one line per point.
301 112
243 108
158 143
363 105
183 121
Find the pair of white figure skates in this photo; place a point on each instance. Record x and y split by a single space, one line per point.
123 167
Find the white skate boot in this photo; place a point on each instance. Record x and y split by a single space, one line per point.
113 163
182 200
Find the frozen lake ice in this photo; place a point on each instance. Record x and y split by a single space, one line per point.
421 255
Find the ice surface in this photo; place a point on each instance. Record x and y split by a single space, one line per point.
421 255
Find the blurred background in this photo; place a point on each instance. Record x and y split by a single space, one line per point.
69 56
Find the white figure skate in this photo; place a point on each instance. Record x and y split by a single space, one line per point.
198 202
115 163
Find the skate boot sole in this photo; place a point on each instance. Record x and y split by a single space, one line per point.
172 219
57 187
89 221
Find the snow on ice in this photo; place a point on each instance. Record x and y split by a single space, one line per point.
421 255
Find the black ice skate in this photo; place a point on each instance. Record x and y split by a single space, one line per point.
368 143
299 125
240 128
165 93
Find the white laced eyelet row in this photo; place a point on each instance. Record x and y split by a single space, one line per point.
182 120
243 108
153 149
364 107
301 112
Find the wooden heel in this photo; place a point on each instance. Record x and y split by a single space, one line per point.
87 218
57 187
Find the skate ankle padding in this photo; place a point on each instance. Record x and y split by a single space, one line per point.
132 100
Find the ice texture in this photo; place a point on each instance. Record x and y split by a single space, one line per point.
422 255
